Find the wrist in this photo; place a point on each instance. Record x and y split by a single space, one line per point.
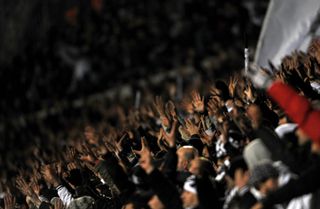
55 183
172 144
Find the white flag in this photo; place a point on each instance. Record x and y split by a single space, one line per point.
289 25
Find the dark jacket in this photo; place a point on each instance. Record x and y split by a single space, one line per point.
164 189
308 182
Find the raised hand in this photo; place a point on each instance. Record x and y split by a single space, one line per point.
150 111
213 107
232 84
87 154
191 127
159 105
35 187
50 175
170 137
110 145
71 166
71 154
187 105
9 201
259 78
197 101
289 62
58 204
248 92
280 76
118 144
159 140
36 175
145 156
171 109
23 186
314 49
207 138
26 189
215 92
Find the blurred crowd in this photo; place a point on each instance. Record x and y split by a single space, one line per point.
70 50
211 140
249 141
85 43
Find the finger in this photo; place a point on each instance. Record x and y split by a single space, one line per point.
144 143
188 121
193 94
236 80
121 139
174 126
203 123
161 133
198 126
136 152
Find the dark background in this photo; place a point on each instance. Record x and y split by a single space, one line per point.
65 62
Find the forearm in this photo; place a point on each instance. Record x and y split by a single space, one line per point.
64 195
298 109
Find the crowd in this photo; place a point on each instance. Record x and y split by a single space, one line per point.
245 141
251 141
70 50
81 44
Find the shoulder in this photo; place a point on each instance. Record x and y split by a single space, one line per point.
247 200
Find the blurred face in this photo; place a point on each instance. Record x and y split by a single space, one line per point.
241 178
270 185
89 134
128 206
195 166
155 203
302 137
254 113
189 199
182 162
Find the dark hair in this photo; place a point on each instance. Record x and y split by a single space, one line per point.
206 167
235 164
45 205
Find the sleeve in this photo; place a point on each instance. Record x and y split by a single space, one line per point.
113 174
64 195
170 164
207 194
277 148
298 108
